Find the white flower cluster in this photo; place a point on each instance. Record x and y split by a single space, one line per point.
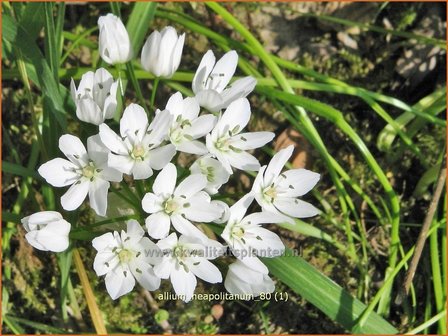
175 207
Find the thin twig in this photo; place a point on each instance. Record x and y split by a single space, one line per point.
423 235
165 325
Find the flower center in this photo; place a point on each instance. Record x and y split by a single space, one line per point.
125 256
170 206
88 171
238 231
208 171
138 152
270 192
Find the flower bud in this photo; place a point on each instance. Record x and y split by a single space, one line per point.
95 97
114 43
47 231
162 52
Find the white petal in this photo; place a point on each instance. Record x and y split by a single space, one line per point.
165 180
40 218
133 121
111 174
254 263
239 209
183 282
117 283
235 117
146 278
161 156
98 189
134 230
203 71
191 185
95 145
177 53
210 100
88 111
199 211
192 147
53 237
152 203
223 71
263 218
301 181
73 149
122 163
252 140
174 104
150 51
158 225
163 270
266 244
158 128
185 227
112 141
168 243
141 170
239 89
104 242
296 208
243 161
276 164
205 270
75 195
201 126
59 172
104 262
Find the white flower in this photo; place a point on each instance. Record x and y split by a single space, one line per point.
225 212
138 150
213 170
86 171
277 192
187 126
178 205
96 96
126 257
229 145
162 52
210 81
243 280
184 260
47 231
247 239
113 43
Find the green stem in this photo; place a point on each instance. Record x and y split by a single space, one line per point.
153 93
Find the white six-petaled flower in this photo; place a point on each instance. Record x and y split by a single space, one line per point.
47 231
126 257
178 205
213 170
244 281
183 261
229 145
138 150
86 171
247 239
95 97
162 52
210 82
278 192
113 43
187 126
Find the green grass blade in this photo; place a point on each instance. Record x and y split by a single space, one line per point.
325 294
139 23
18 170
